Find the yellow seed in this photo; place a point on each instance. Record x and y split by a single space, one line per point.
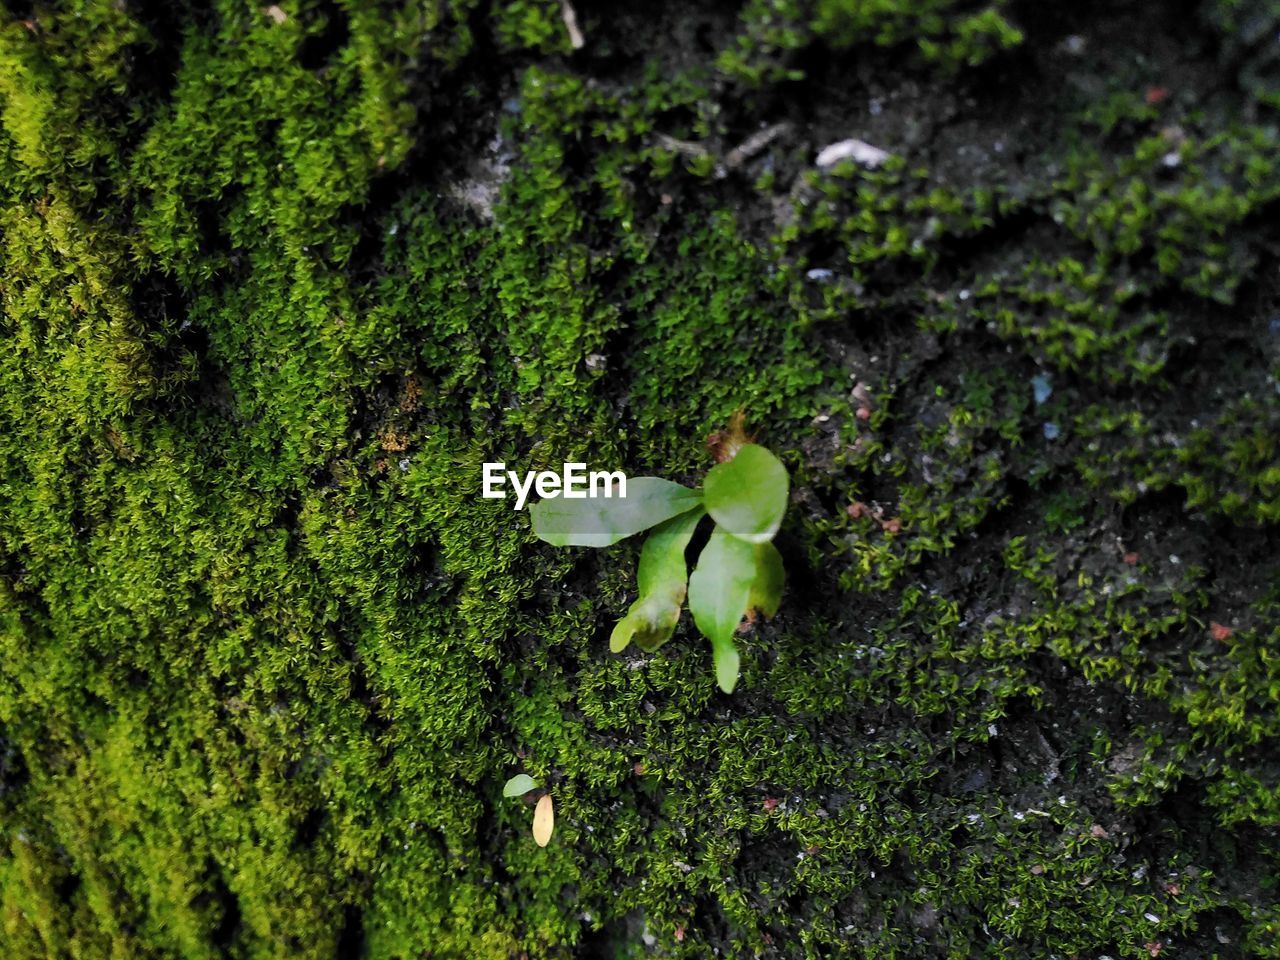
544 820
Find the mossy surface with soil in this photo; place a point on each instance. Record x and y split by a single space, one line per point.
276 280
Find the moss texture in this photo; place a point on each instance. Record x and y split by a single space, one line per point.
275 280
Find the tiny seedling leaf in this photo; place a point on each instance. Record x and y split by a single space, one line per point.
748 495
766 589
719 591
544 820
663 579
519 785
602 521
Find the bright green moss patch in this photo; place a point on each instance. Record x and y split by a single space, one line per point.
276 280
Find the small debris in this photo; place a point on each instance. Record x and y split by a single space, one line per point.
276 14
544 820
570 17
686 147
863 414
857 510
1156 95
1219 631
771 804
1075 45
820 274
1052 431
1131 558
639 768
1154 947
1037 869
680 934
1041 388
1172 889
855 150
754 144
1098 832
596 361
891 526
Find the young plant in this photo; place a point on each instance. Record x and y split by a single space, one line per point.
738 572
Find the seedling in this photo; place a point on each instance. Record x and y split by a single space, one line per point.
544 814
738 572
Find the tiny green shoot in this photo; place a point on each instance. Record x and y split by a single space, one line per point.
738 572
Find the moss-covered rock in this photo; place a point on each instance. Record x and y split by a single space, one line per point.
275 281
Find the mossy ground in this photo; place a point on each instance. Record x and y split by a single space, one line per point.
276 280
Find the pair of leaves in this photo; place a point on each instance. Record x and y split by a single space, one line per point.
544 814
738 571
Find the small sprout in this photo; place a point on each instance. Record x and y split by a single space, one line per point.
738 572
519 785
544 820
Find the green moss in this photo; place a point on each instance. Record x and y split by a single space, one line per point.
277 280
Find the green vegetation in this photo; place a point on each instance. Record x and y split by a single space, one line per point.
738 573
276 280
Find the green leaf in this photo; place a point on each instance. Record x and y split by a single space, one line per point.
663 578
748 495
766 589
662 563
650 622
601 521
519 785
724 655
719 591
